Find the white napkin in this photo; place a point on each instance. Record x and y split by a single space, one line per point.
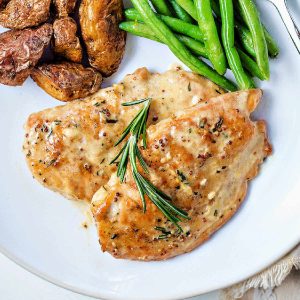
265 282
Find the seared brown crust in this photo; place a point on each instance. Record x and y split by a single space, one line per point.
67 81
20 50
105 42
74 159
203 157
20 14
64 7
66 43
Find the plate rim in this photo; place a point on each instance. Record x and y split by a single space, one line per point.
74 289
281 252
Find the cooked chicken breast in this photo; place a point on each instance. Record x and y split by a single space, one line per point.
203 157
68 148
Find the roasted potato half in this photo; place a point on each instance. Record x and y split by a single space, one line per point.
20 51
105 42
67 81
66 43
19 14
64 7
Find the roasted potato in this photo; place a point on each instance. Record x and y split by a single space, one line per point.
64 7
19 14
67 81
20 50
105 42
65 42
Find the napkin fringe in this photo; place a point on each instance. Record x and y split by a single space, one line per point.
267 279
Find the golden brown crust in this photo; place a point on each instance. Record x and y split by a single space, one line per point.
65 42
105 42
67 81
20 50
64 7
20 14
203 158
74 159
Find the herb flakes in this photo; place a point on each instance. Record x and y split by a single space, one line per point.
57 122
113 236
218 125
202 122
182 177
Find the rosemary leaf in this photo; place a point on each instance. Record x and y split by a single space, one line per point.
135 102
130 153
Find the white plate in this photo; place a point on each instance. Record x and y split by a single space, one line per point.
42 231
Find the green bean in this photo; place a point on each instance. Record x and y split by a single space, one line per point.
162 31
133 15
234 61
244 33
183 27
251 17
161 7
250 64
142 30
174 23
180 12
188 30
138 29
245 38
273 48
189 7
197 48
210 33
216 7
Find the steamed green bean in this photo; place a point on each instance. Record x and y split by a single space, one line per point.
143 30
209 31
162 7
163 33
175 24
233 58
180 12
251 17
188 33
189 7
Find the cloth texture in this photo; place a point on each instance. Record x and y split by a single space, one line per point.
266 281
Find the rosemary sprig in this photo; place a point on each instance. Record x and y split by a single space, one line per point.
130 152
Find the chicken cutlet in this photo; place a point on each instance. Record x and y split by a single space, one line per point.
203 157
68 148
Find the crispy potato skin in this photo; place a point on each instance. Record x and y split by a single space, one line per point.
20 51
67 81
105 42
20 14
64 7
66 43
